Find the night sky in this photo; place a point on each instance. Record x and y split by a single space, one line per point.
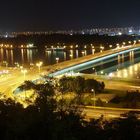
37 15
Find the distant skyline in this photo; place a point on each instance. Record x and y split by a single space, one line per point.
44 15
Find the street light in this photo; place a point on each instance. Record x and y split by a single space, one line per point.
39 66
110 46
124 43
93 91
135 41
102 72
57 59
94 70
17 64
24 71
101 49
83 53
21 67
71 56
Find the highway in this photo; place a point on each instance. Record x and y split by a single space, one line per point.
108 113
15 78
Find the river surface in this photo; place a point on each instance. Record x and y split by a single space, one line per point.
32 56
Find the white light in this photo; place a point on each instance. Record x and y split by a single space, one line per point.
119 33
110 74
102 72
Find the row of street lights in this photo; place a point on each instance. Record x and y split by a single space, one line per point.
39 64
24 71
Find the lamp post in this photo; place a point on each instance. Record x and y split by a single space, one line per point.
83 53
110 46
71 56
24 71
94 70
93 91
124 43
39 66
57 59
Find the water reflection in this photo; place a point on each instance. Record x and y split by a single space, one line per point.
77 53
1 55
22 55
65 56
71 54
132 71
122 58
30 56
93 51
119 61
26 56
132 57
6 55
12 57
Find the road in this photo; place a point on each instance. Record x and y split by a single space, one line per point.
12 80
108 113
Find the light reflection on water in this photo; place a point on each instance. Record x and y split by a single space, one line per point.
27 56
129 72
128 69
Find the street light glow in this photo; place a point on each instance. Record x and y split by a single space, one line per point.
57 59
39 65
24 71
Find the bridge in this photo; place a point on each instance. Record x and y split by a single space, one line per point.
64 67
79 64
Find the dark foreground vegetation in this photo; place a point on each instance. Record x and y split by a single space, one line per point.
52 119
130 100
49 120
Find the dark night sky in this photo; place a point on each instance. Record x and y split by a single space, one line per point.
23 15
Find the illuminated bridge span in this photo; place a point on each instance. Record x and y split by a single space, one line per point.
83 63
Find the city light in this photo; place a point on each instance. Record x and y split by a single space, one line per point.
119 33
39 66
57 59
94 99
24 71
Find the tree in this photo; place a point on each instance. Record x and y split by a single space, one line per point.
123 129
93 84
27 85
78 85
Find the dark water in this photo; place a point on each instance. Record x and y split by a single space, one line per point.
26 57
